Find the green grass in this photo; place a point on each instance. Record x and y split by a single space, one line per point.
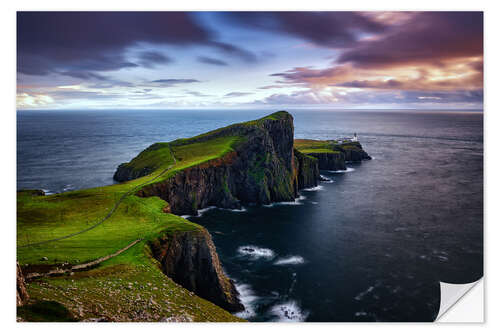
101 290
129 287
314 146
153 158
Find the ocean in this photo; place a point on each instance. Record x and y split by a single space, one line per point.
369 244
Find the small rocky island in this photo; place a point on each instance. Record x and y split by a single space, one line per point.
132 241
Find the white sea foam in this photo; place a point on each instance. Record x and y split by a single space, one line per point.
292 260
327 180
241 210
186 216
68 187
312 189
314 202
364 293
297 201
342 171
289 311
248 299
47 192
204 210
254 252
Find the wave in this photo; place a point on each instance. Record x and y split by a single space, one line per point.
312 189
47 192
68 187
241 210
292 260
255 252
204 210
289 311
342 171
297 201
248 299
326 180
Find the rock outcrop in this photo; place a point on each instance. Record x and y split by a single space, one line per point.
261 170
189 258
354 152
330 161
307 170
21 292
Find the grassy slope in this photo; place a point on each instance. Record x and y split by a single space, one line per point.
307 146
314 146
41 218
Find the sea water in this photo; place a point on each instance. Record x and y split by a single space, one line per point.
369 244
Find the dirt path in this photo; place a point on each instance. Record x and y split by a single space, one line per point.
87 265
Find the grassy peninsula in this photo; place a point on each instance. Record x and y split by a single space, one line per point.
112 253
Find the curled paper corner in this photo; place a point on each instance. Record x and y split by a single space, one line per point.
451 294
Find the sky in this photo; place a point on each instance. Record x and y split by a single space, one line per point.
170 60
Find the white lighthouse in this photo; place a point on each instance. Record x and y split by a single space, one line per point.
355 137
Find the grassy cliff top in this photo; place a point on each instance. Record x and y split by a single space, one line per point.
81 226
45 218
307 146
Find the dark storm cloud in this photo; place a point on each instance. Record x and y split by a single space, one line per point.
212 61
151 58
95 41
426 37
332 29
231 49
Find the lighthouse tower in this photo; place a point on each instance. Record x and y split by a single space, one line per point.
355 137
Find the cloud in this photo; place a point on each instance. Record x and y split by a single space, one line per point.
237 94
25 100
465 74
212 61
331 29
50 42
234 50
273 86
173 82
151 59
196 93
84 75
370 98
426 37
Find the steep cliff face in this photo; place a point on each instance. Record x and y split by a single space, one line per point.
262 169
307 170
330 161
21 293
354 152
189 258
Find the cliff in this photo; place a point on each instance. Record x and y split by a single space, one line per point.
190 259
21 293
255 163
260 167
331 154
252 162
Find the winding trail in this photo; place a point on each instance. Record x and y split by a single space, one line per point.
60 271
113 209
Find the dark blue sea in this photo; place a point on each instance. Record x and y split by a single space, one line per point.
371 244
